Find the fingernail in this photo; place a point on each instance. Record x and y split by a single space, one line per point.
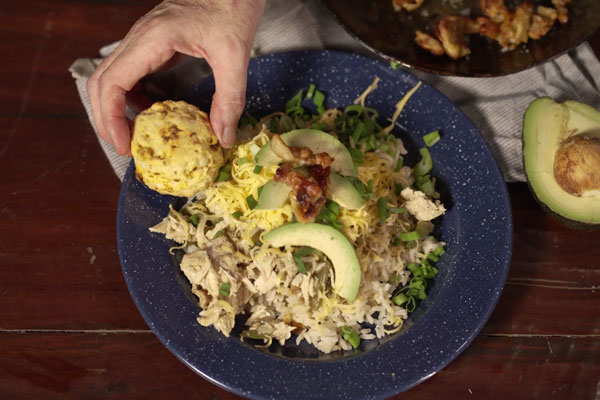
228 136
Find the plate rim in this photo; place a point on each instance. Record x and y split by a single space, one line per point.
500 283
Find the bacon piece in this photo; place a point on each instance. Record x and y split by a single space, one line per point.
309 191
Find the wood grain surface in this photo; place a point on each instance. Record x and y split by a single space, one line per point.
68 327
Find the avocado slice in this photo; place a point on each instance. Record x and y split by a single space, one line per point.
561 155
316 140
332 243
272 196
341 190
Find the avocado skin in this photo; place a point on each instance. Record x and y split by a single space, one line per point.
571 223
585 110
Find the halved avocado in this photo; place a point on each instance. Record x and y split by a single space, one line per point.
561 153
316 140
332 243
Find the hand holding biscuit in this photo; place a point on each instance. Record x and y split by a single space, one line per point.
220 31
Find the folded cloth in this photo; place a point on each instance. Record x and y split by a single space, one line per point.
494 105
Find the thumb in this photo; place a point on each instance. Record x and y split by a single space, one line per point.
229 99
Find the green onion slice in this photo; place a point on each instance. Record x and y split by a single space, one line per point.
319 100
194 219
311 91
409 236
426 163
300 265
351 336
431 138
251 201
224 289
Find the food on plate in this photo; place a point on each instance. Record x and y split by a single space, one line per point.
509 27
174 149
314 229
561 153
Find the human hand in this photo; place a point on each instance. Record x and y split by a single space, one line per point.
220 31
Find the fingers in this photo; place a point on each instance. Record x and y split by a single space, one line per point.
230 72
115 80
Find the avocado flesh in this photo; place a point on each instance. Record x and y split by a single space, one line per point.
273 196
318 142
332 243
547 125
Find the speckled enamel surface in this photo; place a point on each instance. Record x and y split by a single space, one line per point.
477 228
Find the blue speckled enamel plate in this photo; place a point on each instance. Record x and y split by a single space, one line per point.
477 228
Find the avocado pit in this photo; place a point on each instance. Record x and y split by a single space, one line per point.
577 166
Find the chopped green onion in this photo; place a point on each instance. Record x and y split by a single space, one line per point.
414 269
224 289
258 243
252 335
397 188
321 126
433 257
425 165
399 164
357 155
219 234
318 100
247 119
424 228
400 299
194 219
237 214
300 265
431 138
409 236
251 201
411 245
351 336
333 207
438 251
371 113
257 169
353 110
242 161
396 241
425 185
395 65
382 208
224 173
311 91
294 105
337 225
384 147
359 130
303 251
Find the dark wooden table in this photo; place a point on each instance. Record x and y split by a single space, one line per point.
68 327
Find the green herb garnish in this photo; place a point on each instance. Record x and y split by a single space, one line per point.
224 289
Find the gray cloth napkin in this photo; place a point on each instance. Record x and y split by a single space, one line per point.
494 105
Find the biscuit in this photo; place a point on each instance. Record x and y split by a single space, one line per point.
174 149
